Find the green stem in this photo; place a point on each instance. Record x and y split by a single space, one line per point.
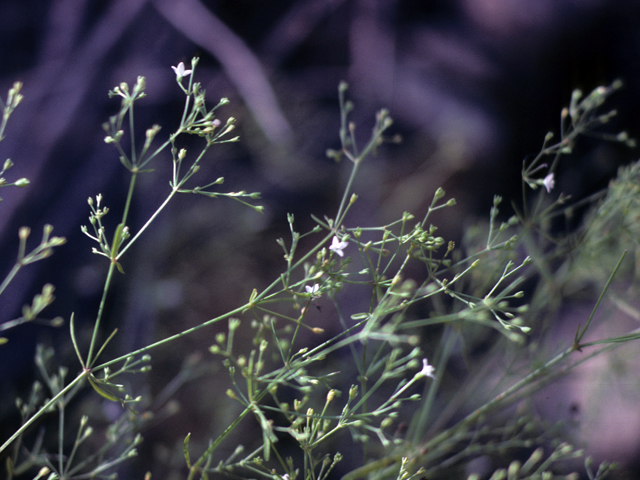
580 334
134 157
127 205
107 283
42 410
96 325
489 406
173 337
148 222
345 199
10 276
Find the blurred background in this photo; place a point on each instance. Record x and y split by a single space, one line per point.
472 85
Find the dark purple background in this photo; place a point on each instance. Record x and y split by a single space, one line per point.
473 86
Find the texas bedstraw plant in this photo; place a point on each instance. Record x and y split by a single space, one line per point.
381 384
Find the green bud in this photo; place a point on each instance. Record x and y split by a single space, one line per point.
151 132
139 87
353 392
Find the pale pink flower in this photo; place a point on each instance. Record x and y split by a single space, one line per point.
312 290
549 182
427 370
338 246
180 71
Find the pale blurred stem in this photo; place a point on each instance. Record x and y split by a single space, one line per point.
127 205
579 333
186 102
345 197
50 404
10 276
20 262
440 443
365 395
419 423
3 125
61 468
439 440
134 158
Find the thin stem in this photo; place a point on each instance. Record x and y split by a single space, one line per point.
489 406
127 205
172 337
580 334
345 200
112 265
42 410
61 436
146 225
96 325
9 278
134 157
186 109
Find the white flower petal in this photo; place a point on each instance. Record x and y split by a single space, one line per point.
312 290
338 246
180 70
427 370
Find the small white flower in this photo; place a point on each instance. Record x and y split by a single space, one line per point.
427 370
549 182
338 246
180 71
312 290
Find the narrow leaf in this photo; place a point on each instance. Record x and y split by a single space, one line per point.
185 449
74 341
99 387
